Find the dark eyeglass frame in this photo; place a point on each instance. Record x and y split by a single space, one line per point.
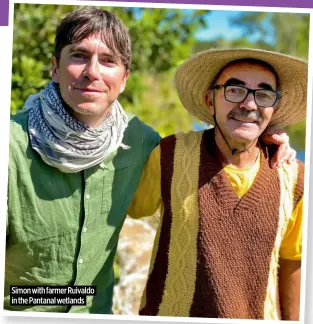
253 91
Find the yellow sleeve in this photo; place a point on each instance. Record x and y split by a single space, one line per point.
148 195
291 246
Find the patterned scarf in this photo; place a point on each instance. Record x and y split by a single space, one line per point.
66 143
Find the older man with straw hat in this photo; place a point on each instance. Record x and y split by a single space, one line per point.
229 240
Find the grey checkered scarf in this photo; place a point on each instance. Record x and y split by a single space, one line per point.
66 143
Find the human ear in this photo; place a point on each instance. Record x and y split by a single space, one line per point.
55 69
209 101
123 85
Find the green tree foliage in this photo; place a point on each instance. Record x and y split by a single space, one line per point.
287 33
284 32
161 39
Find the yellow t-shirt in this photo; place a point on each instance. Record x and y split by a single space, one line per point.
242 178
148 199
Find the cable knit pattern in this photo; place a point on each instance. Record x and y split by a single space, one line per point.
180 280
288 175
217 254
156 281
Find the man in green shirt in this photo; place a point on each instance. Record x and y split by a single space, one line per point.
75 162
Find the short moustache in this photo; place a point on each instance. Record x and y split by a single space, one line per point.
246 113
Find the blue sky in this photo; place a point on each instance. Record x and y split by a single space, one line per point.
219 26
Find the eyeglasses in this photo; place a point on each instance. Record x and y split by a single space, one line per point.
262 97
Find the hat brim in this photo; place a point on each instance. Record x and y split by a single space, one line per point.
194 77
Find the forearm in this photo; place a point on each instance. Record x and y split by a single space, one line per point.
289 289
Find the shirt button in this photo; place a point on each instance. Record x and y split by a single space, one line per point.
80 261
85 229
87 196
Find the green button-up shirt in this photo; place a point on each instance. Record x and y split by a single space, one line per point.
63 228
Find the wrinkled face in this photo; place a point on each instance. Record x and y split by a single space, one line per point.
90 77
244 121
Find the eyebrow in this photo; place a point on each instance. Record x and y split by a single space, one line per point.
265 86
234 81
78 49
83 49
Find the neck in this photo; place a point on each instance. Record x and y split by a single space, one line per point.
244 159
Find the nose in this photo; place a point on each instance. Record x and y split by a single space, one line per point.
249 103
92 69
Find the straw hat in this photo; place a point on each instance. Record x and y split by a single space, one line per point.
194 77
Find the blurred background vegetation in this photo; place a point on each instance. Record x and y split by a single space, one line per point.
162 39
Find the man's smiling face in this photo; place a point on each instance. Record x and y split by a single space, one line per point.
90 77
245 121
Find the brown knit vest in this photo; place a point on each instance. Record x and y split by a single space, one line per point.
235 239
